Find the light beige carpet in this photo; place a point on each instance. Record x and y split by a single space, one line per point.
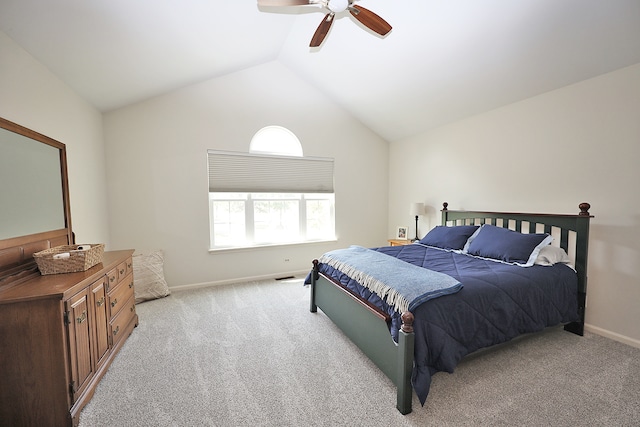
252 354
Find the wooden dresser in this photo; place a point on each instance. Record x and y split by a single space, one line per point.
58 335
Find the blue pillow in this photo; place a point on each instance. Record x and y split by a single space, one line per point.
507 245
445 237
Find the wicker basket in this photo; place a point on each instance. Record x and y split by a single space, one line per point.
68 258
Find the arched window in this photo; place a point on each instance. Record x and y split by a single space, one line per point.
276 140
272 195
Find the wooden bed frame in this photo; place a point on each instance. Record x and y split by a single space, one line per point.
369 328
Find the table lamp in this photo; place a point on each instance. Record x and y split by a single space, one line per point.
416 209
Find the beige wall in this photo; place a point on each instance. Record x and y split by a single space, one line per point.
33 97
157 171
545 154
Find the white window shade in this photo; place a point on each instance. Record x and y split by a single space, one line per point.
253 173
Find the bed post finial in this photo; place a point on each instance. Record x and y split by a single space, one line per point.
444 206
584 209
407 322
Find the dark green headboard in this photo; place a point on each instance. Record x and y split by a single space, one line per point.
570 231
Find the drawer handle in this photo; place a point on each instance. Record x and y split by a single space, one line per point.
116 330
122 271
133 308
82 317
112 278
114 302
100 302
131 284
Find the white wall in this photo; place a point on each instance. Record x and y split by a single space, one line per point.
33 97
157 171
545 154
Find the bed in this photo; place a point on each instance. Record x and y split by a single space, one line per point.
506 274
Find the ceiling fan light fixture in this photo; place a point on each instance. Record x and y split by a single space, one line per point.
337 6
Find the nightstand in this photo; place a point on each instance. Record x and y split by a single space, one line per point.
399 242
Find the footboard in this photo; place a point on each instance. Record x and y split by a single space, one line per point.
368 328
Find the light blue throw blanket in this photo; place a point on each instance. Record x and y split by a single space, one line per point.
401 284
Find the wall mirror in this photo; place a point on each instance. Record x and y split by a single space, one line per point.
34 199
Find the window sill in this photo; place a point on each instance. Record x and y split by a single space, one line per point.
267 246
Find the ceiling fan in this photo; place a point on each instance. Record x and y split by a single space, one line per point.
365 16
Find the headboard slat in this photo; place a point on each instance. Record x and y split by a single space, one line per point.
564 239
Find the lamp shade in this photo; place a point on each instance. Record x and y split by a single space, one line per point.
416 209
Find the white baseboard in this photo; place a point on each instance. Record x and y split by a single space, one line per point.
298 274
614 336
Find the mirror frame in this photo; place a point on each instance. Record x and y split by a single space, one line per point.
16 253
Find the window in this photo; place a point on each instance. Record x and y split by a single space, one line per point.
256 219
276 140
267 198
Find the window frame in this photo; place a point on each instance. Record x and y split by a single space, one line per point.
249 219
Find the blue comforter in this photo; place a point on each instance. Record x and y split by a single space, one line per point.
398 283
497 303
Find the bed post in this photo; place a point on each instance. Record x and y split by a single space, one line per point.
314 276
405 363
582 249
444 211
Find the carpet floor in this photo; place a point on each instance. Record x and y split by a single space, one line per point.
251 354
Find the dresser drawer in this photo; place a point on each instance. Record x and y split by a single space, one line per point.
116 275
124 268
119 323
119 295
112 278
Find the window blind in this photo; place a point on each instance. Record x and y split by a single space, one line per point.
259 173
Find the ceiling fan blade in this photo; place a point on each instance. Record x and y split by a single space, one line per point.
370 20
283 2
322 30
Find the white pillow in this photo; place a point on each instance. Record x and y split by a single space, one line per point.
465 249
148 276
550 255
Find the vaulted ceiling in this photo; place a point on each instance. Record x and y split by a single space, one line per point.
443 61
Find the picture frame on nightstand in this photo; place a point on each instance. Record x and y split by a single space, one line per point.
402 232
